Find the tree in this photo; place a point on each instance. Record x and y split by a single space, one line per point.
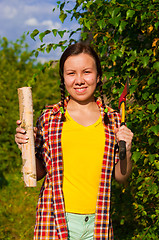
125 34
18 69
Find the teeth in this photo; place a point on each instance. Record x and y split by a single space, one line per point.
80 88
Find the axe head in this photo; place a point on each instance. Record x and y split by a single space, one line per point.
124 93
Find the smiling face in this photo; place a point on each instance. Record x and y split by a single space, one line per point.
80 77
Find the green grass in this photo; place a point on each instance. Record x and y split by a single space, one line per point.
17 207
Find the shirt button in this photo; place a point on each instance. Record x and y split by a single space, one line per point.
86 219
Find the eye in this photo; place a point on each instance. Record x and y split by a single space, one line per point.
87 72
71 73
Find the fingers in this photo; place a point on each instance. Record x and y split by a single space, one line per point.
20 136
19 129
18 122
125 134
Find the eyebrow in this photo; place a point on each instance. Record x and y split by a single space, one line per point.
86 68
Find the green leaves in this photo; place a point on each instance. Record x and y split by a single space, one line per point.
62 16
114 12
156 66
43 34
101 23
122 26
152 107
130 13
145 60
136 156
49 47
115 20
61 33
34 34
151 81
54 31
157 97
154 129
157 25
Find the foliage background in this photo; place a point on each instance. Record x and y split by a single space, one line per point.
18 68
125 34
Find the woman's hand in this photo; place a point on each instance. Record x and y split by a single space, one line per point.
123 167
124 133
21 136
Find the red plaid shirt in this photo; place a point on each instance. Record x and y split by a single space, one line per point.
50 216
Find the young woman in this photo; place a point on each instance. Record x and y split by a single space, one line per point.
75 151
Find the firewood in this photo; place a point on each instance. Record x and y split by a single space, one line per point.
28 149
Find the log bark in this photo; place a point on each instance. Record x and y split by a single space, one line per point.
28 149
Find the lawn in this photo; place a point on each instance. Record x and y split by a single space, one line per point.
17 207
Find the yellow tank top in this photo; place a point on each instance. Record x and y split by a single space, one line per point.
83 149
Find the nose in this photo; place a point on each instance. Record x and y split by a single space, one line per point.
79 80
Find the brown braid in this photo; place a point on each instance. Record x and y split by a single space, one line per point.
106 119
62 87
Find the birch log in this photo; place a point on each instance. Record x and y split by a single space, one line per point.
28 149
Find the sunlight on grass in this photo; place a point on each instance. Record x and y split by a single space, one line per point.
17 208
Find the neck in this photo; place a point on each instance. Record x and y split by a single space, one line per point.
81 105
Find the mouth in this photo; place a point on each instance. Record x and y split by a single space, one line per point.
81 90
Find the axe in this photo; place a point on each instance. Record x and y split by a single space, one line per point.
122 106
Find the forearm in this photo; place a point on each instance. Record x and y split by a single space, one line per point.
123 168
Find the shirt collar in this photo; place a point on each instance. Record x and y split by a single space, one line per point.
56 107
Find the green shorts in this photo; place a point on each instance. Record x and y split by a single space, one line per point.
80 226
